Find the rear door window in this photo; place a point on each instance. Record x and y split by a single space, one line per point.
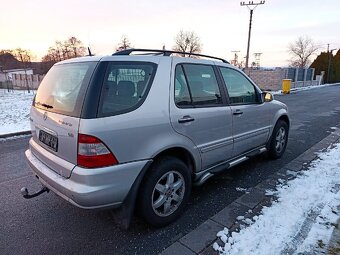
196 86
63 88
125 87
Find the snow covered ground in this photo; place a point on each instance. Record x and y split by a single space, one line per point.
301 220
14 110
279 92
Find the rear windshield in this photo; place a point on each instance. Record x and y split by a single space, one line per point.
125 87
63 88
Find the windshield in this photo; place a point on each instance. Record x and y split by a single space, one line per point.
63 88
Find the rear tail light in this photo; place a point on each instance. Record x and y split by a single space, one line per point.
93 153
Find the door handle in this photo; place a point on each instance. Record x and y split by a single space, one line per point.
237 112
186 118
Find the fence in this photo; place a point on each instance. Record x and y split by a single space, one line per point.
6 85
267 79
271 79
300 84
22 80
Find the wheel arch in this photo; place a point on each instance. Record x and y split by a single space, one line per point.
177 152
284 118
281 114
180 153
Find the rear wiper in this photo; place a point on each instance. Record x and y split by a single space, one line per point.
45 105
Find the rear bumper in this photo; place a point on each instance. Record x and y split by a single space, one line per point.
89 188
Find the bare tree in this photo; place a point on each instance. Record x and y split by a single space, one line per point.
61 50
187 41
75 46
124 44
51 56
25 57
301 50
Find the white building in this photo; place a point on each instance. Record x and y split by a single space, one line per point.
9 73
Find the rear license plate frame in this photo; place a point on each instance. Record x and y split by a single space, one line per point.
49 140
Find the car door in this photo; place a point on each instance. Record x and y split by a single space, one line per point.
251 120
199 111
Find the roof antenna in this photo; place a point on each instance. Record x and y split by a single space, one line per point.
90 53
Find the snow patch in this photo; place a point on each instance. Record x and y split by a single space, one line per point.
240 218
14 110
279 92
242 190
248 221
270 192
303 216
14 137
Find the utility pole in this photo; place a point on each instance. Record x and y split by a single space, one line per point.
251 6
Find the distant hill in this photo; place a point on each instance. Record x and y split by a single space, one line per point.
8 61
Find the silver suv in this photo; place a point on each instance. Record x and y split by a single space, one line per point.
127 129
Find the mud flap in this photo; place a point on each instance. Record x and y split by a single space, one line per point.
123 215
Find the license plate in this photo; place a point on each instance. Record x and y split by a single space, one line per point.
50 140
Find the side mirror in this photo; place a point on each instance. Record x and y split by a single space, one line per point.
268 97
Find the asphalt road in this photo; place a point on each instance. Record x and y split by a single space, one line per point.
49 225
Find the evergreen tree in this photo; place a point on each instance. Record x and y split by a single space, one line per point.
336 68
321 64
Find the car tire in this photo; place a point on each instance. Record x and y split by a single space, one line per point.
165 191
278 142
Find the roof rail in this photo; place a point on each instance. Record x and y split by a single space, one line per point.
164 53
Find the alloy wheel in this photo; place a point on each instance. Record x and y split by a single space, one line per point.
168 193
280 139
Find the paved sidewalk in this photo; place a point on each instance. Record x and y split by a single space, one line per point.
201 239
334 244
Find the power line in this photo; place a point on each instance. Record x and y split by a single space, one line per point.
251 6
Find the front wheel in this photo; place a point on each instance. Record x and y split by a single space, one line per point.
165 191
279 139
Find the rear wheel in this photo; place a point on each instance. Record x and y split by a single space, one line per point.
278 142
165 191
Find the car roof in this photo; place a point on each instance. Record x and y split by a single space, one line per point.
81 59
143 58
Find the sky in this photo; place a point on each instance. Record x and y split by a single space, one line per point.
222 25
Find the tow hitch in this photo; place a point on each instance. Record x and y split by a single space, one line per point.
24 192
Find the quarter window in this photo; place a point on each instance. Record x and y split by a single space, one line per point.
240 89
125 87
182 96
196 85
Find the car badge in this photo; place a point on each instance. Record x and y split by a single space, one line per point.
45 116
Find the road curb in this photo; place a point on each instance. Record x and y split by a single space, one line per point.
201 239
297 90
15 134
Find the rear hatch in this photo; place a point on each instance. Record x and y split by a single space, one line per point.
55 115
